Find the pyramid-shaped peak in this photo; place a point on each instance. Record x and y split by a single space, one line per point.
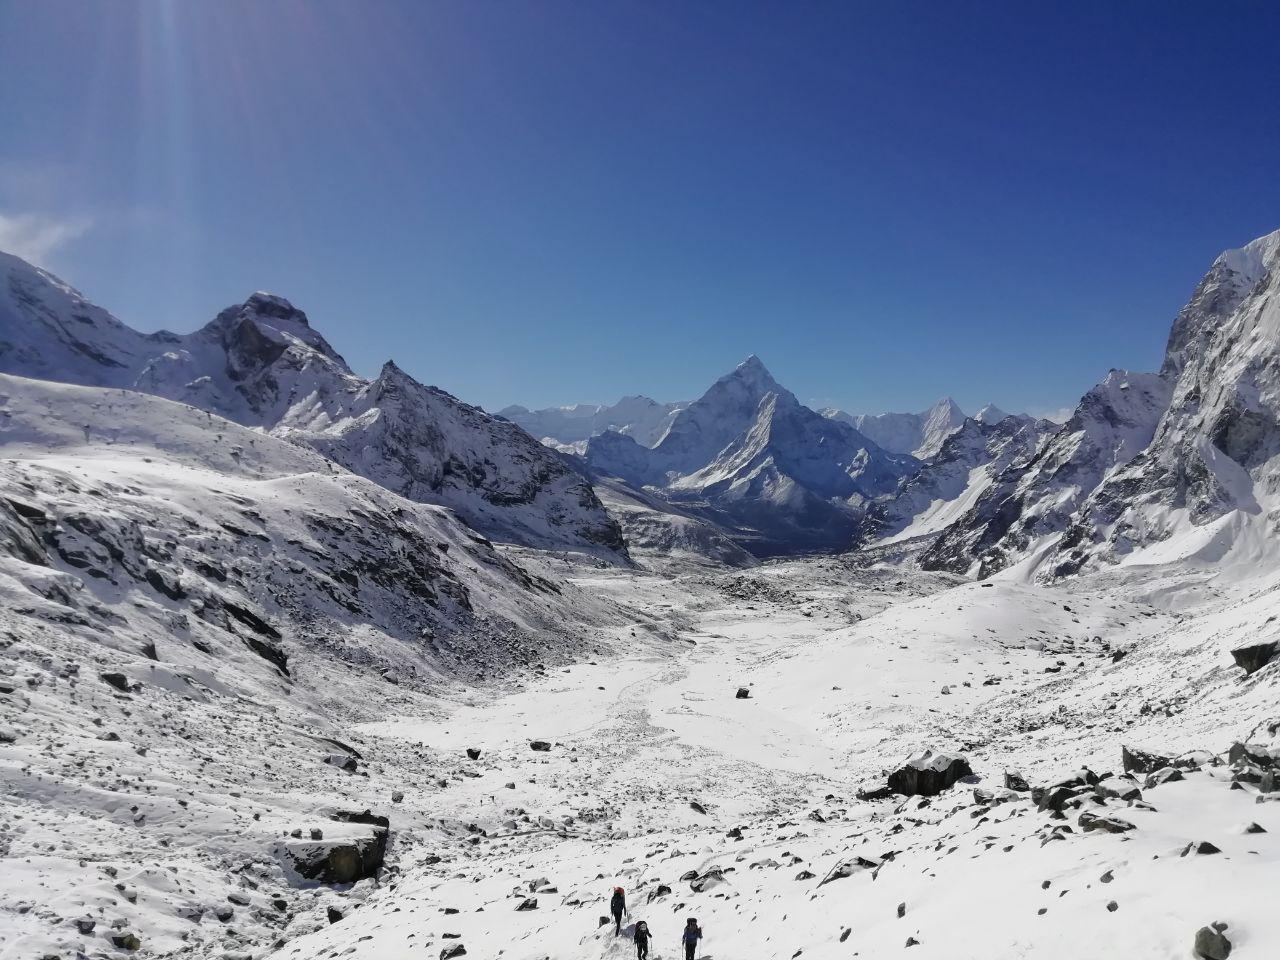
752 373
990 414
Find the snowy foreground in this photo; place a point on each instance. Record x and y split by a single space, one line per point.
742 812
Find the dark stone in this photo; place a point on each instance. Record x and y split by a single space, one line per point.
343 860
1056 798
1091 821
705 881
473 753
117 680
125 941
457 950
1141 761
1163 775
1201 848
1250 753
1211 944
1013 780
540 745
1255 656
879 793
742 694
335 914
848 869
528 903
928 774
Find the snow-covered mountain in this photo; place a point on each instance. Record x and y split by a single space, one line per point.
1183 458
777 475
957 475
1032 501
639 417
1209 481
261 364
918 434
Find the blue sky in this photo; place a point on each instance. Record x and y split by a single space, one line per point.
550 202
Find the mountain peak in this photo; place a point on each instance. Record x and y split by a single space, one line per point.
752 373
990 414
271 305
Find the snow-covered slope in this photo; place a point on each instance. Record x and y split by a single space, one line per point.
1032 501
952 481
639 417
776 475
261 364
193 613
918 434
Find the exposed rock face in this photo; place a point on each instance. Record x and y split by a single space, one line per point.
1036 499
962 467
1254 657
928 773
261 364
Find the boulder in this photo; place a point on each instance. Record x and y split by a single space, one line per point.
742 694
1255 656
1091 821
456 950
1013 780
713 877
1211 943
117 680
929 773
848 869
540 745
341 859
1163 775
1252 753
473 753
1142 761
342 761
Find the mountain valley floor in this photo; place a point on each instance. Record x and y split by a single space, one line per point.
657 776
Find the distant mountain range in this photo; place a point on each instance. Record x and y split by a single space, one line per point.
746 470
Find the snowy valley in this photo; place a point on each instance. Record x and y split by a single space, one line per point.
299 664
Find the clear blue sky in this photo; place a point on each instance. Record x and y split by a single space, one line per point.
548 202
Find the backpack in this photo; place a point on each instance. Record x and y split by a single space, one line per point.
642 929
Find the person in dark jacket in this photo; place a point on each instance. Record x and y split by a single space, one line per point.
692 934
642 938
618 906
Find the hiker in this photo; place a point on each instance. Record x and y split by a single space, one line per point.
618 906
642 938
692 934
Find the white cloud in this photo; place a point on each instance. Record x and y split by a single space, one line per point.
1060 415
35 237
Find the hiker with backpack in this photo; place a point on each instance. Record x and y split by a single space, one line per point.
642 938
618 906
692 934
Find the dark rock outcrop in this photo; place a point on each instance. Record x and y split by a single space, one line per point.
1255 656
929 773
